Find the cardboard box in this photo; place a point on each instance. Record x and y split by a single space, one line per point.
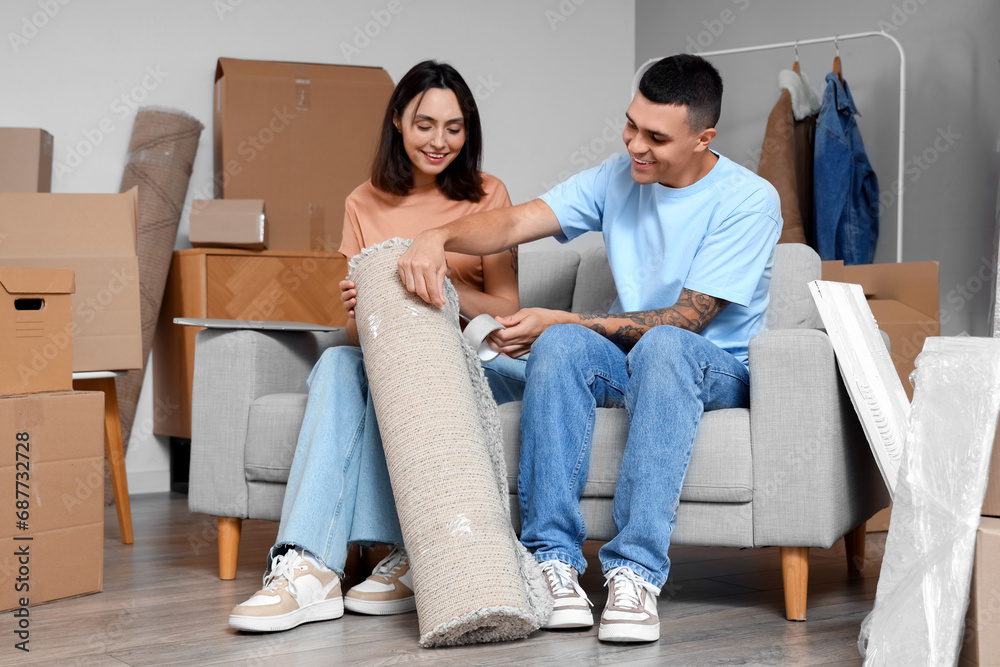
229 223
981 642
95 235
299 136
36 339
991 504
58 477
25 160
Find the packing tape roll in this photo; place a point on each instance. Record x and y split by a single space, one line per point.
476 332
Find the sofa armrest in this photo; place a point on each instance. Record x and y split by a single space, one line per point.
815 477
233 368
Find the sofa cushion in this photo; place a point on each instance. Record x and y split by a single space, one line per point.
546 278
720 470
272 433
791 305
595 290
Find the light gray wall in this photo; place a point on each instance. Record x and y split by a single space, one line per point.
953 90
548 75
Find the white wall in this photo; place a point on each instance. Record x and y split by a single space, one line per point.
549 76
952 51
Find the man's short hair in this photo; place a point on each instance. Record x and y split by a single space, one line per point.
686 80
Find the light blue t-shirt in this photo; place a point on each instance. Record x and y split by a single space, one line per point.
716 236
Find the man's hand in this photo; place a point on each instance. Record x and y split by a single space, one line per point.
423 267
348 296
523 327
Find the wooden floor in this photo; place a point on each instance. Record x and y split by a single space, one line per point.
163 604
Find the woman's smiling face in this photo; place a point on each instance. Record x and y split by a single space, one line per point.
433 132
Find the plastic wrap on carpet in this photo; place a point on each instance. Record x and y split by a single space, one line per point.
473 580
160 157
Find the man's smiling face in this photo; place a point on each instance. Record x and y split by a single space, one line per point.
663 147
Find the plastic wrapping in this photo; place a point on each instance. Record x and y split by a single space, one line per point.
869 376
473 580
161 154
923 588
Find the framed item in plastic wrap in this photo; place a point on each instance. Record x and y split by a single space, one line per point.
865 364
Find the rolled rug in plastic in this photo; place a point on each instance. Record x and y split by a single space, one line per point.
161 155
473 580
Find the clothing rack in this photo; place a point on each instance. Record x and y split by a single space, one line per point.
824 40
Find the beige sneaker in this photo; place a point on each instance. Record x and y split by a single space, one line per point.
389 589
630 615
295 592
572 606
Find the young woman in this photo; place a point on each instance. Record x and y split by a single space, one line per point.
425 173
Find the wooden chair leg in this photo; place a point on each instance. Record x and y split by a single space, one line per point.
114 450
229 545
795 573
854 542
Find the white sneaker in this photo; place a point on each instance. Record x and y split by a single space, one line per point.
389 589
295 592
572 606
630 615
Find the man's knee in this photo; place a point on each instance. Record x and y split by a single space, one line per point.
558 345
559 338
665 338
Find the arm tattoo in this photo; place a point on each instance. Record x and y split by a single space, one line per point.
693 311
513 258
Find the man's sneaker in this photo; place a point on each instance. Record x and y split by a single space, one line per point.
572 606
630 615
295 592
389 589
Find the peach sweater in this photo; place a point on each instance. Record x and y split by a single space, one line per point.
373 216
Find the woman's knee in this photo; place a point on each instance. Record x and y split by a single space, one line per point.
338 362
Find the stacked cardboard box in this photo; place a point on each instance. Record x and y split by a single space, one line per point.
981 643
95 235
52 488
69 300
26 164
301 137
229 223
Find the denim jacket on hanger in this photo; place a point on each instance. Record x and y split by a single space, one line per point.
845 189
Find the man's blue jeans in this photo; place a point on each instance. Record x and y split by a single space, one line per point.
665 382
338 488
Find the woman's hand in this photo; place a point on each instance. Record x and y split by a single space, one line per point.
348 296
523 327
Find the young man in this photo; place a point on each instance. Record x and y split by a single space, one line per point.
690 237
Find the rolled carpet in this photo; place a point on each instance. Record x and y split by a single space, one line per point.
473 580
160 157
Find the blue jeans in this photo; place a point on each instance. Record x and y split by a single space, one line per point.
506 378
666 382
338 488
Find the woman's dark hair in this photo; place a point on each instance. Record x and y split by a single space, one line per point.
686 80
392 170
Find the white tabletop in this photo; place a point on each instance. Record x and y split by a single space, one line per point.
94 375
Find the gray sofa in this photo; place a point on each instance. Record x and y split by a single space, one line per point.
793 471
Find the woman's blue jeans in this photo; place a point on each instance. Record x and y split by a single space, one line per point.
665 383
338 488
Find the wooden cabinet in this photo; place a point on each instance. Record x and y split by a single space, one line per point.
226 283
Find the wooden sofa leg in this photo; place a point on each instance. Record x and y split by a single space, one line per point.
795 573
229 545
854 542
